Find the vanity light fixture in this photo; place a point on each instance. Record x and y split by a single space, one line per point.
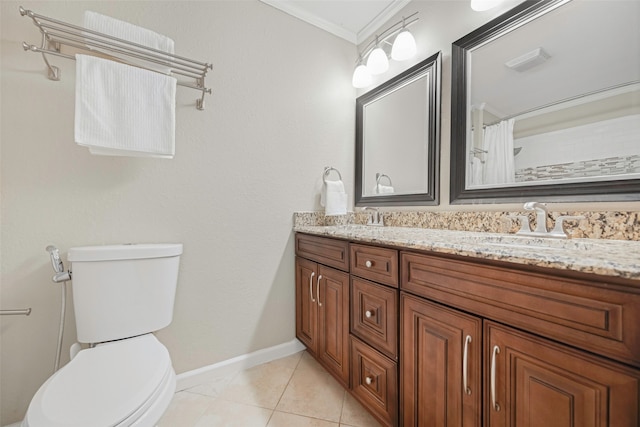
404 46
378 62
361 76
482 5
377 59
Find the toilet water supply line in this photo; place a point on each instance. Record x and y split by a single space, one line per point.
64 277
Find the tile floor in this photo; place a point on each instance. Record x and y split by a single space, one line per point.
294 391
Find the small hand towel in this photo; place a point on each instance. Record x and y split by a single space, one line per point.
121 109
127 31
335 198
383 189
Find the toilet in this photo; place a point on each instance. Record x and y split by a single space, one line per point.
122 293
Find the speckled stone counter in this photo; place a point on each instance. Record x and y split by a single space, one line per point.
617 258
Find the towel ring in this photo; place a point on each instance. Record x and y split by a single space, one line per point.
328 170
379 176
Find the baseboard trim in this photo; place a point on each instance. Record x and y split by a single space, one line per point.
202 375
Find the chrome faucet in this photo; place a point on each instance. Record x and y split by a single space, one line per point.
375 218
541 222
541 216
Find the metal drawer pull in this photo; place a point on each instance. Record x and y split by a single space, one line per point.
496 406
465 365
369 313
318 289
368 264
368 380
311 286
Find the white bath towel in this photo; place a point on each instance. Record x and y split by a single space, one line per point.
333 198
127 31
124 110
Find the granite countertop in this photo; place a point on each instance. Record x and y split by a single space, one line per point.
617 258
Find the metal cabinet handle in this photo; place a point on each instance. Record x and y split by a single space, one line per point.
496 406
368 264
368 380
311 286
465 365
318 290
369 313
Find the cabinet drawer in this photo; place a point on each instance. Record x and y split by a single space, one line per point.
373 263
374 315
331 252
374 382
590 314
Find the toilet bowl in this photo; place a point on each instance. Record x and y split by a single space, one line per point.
117 384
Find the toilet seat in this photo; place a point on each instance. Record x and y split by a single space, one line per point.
111 385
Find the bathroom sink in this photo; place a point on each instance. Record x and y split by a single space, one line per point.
539 243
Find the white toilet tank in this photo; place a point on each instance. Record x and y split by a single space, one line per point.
121 291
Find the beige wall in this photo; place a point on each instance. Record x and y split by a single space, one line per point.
282 108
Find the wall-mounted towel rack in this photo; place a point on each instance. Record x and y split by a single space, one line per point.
56 34
327 171
380 176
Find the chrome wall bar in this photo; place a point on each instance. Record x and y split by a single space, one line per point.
17 312
57 33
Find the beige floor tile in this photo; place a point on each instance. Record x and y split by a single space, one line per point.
313 393
214 387
185 410
222 413
261 385
282 419
354 415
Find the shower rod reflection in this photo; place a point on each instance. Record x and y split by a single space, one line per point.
16 312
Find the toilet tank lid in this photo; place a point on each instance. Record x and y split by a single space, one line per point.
122 252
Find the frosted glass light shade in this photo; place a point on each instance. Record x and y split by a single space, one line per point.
361 77
482 5
404 46
377 63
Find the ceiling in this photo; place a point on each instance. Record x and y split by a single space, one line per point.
352 20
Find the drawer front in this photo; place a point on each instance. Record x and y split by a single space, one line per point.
374 382
374 315
591 315
373 263
327 251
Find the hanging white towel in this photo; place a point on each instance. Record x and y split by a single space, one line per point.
477 171
127 31
333 198
124 110
383 189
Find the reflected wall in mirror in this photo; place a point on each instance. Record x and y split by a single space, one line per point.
546 104
398 139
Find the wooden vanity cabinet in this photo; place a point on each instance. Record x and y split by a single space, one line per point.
322 302
374 330
440 365
525 379
531 381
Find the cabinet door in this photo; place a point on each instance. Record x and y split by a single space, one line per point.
437 388
306 303
333 321
533 382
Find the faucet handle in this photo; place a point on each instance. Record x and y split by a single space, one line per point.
525 226
558 230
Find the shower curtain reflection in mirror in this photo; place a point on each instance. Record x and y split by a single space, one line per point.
492 160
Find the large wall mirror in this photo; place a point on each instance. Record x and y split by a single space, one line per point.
546 105
398 139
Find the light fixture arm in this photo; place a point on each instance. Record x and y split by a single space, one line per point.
388 33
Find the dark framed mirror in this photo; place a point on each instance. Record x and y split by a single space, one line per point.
546 105
398 139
